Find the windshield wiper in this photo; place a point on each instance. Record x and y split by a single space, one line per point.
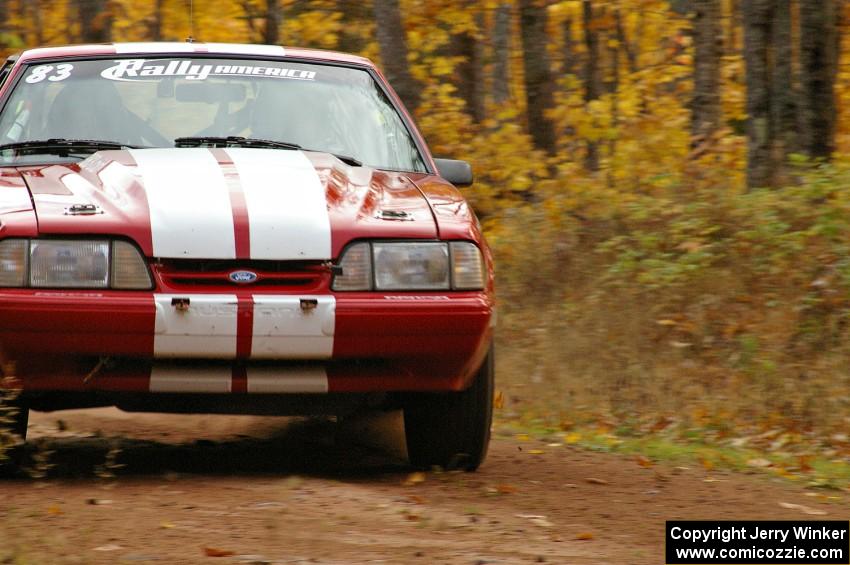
237 141
347 159
62 145
233 141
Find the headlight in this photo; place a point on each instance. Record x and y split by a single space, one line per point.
69 264
409 265
72 263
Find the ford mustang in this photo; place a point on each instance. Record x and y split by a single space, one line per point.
211 228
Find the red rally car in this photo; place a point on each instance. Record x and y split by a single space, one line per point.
198 227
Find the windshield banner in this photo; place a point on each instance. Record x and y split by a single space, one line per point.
149 70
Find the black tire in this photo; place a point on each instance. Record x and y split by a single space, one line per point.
14 418
452 430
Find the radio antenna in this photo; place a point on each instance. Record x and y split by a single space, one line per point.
191 38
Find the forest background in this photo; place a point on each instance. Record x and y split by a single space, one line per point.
664 184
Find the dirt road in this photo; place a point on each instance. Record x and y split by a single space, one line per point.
221 489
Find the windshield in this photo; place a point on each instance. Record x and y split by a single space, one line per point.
151 102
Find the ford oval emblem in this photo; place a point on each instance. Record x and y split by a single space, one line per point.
242 277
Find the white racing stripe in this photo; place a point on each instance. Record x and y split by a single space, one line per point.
287 207
206 329
174 378
189 202
282 330
287 380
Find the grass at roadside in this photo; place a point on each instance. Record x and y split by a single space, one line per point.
830 476
682 317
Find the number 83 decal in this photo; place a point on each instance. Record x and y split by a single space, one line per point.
60 72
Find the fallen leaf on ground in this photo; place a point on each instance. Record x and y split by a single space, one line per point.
166 525
759 462
536 451
585 535
216 552
572 437
414 479
108 547
644 462
537 520
98 501
595 481
803 509
506 489
54 511
499 400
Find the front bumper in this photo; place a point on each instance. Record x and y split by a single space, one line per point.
244 342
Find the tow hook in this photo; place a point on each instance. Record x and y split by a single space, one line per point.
180 304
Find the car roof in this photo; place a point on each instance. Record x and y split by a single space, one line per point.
183 48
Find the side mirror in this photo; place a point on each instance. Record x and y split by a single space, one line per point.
459 173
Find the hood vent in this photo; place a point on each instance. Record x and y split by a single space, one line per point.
398 215
83 210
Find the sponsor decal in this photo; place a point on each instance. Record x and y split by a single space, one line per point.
243 277
49 72
128 70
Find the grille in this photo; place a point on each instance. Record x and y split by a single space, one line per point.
300 275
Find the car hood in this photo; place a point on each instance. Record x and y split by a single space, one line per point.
227 203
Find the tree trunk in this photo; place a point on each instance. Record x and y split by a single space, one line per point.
393 47
95 21
469 73
539 82
155 26
350 41
705 106
627 46
818 63
783 104
4 15
502 54
614 49
569 53
29 12
592 78
758 15
271 33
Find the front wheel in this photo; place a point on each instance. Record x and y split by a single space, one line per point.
452 430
